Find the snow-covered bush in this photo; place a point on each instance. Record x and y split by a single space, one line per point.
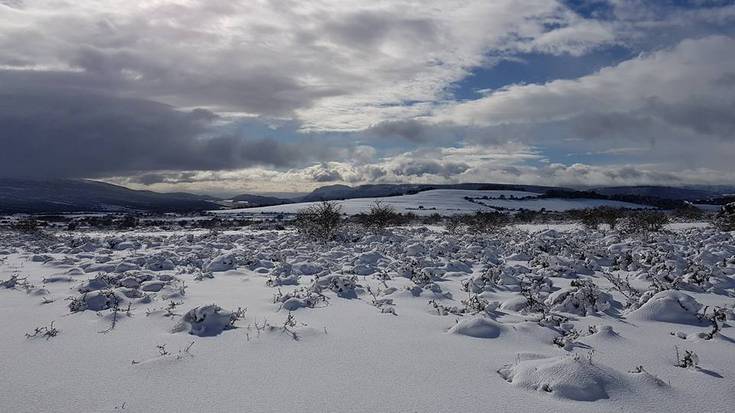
476 304
302 297
342 285
96 301
688 360
583 298
493 277
279 280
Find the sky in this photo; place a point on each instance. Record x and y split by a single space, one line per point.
253 96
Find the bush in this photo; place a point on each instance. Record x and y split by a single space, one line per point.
593 218
645 221
380 216
432 219
127 222
26 225
485 221
525 216
725 219
320 221
688 212
453 224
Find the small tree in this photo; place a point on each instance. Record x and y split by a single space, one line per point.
26 225
380 216
320 221
688 211
593 218
590 219
485 221
645 221
127 222
453 224
525 216
432 219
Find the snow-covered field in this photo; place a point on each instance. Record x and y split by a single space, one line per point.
411 319
449 202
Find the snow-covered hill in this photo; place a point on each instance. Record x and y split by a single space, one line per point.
451 202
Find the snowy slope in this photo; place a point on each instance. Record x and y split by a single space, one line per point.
449 202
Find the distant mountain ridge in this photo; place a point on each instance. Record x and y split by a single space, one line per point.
663 192
78 195
72 195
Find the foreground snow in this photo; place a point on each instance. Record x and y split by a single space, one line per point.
411 319
450 202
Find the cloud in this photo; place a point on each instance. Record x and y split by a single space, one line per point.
680 86
290 94
58 133
333 64
428 167
323 173
509 164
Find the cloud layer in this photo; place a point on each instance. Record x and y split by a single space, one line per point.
211 94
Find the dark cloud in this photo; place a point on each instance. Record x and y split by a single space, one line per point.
410 130
65 133
419 132
149 179
326 175
16 4
165 177
656 118
369 29
428 167
373 173
698 116
601 125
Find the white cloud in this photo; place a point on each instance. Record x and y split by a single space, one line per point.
333 64
690 73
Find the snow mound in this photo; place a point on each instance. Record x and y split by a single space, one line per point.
206 321
566 377
669 306
602 333
478 327
224 262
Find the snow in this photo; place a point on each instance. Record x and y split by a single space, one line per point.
478 327
448 202
669 306
439 322
205 321
577 378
